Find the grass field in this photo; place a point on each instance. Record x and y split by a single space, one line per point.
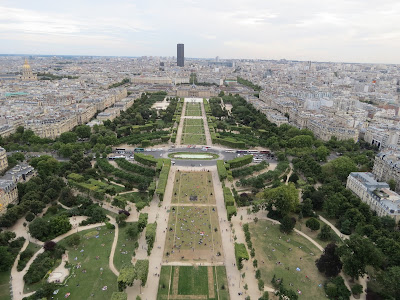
193 234
279 254
193 139
193 282
5 285
193 132
193 122
193 109
188 184
125 248
193 129
94 260
314 234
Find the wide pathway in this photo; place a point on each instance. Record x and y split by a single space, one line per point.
234 275
180 126
157 213
206 128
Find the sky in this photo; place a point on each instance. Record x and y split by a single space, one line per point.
319 30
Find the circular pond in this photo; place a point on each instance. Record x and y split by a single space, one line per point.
190 155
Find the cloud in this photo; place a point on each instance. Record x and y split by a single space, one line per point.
311 29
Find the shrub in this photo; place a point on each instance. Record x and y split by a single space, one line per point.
163 179
222 173
313 224
145 159
230 211
150 236
240 254
240 161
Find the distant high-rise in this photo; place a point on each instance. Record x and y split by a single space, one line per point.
180 61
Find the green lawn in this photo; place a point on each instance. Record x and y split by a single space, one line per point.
190 281
193 109
125 248
5 285
280 254
193 129
83 285
193 139
193 122
198 184
314 234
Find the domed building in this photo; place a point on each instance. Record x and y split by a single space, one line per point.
27 74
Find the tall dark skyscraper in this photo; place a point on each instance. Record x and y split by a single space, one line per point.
181 55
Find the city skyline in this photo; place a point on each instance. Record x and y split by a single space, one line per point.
331 31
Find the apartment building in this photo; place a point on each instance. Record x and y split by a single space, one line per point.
377 195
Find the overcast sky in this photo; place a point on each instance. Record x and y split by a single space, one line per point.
318 30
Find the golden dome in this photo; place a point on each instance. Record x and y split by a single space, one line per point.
26 65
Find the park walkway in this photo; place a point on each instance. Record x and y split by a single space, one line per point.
17 278
206 128
157 213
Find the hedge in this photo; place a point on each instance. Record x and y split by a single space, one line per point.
163 179
228 197
222 173
230 211
229 142
132 178
249 170
145 159
240 254
240 161
134 168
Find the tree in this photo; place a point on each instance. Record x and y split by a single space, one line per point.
260 284
126 277
307 208
121 219
133 230
283 199
321 153
326 233
83 131
340 168
49 245
265 296
390 279
336 289
68 137
74 240
313 224
7 259
392 184
357 289
358 252
142 270
329 263
287 224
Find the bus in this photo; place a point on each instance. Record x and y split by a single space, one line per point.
265 152
115 157
241 151
253 151
120 150
139 150
230 151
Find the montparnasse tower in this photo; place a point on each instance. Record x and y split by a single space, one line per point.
27 74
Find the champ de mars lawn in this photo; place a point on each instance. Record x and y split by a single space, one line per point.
290 257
